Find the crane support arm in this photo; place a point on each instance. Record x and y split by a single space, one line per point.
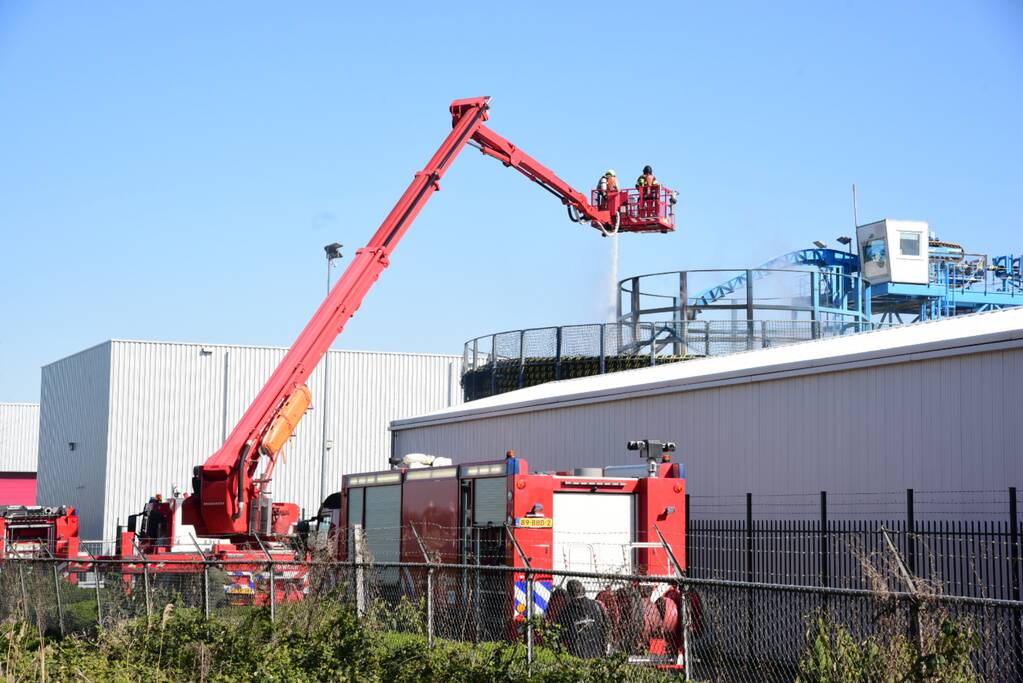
231 496
496 146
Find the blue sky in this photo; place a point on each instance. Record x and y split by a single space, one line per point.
172 171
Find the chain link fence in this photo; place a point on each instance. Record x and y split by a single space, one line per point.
704 629
506 361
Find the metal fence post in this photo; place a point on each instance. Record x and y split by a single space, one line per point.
24 590
750 332
429 585
1014 587
749 537
273 591
273 580
56 590
825 549
557 352
95 582
522 359
21 578
603 351
205 578
99 602
206 589
910 533
360 589
749 574
814 306
688 531
634 308
914 613
653 342
145 577
529 622
683 305
493 365
146 587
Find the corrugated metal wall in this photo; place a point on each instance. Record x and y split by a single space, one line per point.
171 406
73 407
953 423
19 437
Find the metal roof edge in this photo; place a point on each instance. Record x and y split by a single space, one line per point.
991 341
78 353
281 348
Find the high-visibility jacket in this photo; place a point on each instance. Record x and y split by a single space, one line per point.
612 183
646 180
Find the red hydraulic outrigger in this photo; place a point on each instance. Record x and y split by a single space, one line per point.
231 498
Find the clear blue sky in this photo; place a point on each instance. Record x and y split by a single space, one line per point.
172 170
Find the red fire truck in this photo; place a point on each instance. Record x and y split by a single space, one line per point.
617 520
31 531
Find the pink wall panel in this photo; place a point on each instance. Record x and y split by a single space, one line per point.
17 488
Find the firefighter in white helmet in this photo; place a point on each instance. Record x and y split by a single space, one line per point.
607 183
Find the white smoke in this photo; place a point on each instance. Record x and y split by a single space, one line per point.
610 286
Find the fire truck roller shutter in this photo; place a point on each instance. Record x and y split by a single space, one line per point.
355 503
593 532
383 522
491 502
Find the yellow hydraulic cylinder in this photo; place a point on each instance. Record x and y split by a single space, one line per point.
283 426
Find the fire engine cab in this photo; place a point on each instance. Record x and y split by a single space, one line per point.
38 531
620 520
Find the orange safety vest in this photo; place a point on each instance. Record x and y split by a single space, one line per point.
612 183
646 180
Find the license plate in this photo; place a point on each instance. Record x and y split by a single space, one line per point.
534 523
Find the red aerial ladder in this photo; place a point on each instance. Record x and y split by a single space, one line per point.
231 497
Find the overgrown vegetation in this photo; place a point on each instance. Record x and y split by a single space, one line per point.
315 641
835 655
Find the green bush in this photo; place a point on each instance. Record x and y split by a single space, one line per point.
315 641
834 656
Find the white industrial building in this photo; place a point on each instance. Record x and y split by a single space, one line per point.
19 450
124 420
936 406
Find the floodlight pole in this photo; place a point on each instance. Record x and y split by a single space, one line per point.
333 252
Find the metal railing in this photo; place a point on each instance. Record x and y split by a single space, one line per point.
802 293
505 361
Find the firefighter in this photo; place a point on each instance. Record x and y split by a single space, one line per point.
646 183
607 183
612 180
646 179
583 623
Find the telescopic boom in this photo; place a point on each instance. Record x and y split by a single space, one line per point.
231 497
